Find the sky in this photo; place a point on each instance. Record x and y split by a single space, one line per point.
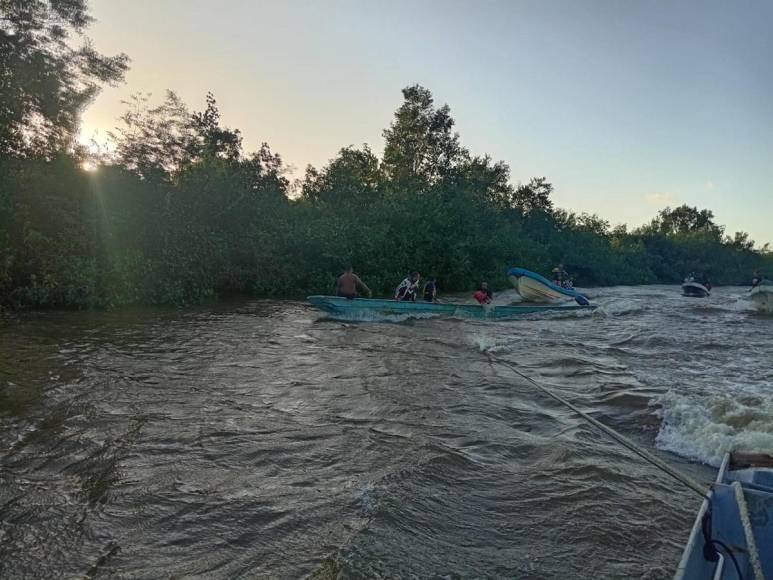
625 106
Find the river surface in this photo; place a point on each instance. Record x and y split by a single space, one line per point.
261 440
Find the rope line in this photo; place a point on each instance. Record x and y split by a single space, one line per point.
622 439
748 530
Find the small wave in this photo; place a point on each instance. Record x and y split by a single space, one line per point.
487 343
706 430
369 498
372 316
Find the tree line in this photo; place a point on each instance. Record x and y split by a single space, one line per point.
179 212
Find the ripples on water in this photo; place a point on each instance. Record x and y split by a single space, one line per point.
261 440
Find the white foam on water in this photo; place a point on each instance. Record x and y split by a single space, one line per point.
706 429
369 498
374 316
488 343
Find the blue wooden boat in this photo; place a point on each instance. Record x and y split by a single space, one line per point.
364 307
733 534
536 288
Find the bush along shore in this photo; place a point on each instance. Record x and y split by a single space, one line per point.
178 212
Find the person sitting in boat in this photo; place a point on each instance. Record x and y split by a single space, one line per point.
560 276
430 290
758 278
408 288
483 295
701 279
347 285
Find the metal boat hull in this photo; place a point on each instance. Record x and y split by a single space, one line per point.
738 512
363 307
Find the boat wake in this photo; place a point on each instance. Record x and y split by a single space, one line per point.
375 316
706 429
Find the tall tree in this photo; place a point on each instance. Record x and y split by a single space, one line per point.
684 219
421 146
44 81
353 178
160 140
211 139
533 196
154 141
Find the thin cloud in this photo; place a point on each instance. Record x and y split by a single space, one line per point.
709 184
660 199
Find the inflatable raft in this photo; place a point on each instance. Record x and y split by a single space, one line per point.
535 288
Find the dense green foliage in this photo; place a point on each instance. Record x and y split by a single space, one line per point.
180 213
44 82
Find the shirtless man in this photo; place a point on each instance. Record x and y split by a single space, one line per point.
347 285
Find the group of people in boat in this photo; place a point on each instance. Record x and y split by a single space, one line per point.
698 279
408 290
561 278
349 284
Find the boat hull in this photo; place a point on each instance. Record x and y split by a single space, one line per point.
362 308
762 298
535 288
695 290
741 516
535 291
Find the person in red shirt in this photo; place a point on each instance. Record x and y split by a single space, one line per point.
483 295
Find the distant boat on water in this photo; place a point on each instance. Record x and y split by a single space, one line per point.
762 296
695 287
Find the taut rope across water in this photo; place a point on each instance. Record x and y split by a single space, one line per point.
622 439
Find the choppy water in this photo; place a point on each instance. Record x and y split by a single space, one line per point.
261 440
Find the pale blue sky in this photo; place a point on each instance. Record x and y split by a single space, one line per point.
625 106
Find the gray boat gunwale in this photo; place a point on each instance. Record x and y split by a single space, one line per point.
743 469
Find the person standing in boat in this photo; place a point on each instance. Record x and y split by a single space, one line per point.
408 288
483 295
347 285
430 290
757 278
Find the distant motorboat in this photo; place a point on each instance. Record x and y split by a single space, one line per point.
695 289
762 296
535 288
733 532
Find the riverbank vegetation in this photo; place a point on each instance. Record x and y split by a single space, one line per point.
179 212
